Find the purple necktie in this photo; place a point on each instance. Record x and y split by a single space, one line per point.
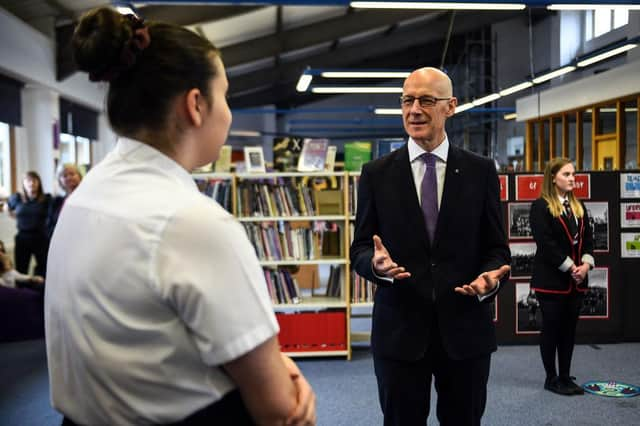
429 194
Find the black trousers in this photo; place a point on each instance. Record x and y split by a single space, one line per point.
228 411
559 319
27 245
404 387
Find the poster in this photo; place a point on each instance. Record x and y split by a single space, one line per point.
630 215
630 242
595 304
519 226
598 213
629 185
528 313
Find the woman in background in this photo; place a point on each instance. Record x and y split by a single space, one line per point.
564 256
69 178
30 209
182 331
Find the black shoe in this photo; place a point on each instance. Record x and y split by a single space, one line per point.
572 386
555 385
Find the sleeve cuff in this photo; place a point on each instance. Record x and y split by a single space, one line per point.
587 258
566 265
380 277
490 294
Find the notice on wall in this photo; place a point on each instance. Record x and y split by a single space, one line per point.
629 185
630 215
630 242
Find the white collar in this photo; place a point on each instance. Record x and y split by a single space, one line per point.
441 151
136 151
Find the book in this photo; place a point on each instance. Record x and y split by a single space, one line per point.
330 161
329 202
355 155
286 152
313 155
223 165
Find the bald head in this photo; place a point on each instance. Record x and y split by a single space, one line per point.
433 78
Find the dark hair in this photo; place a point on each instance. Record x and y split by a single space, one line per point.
35 176
144 79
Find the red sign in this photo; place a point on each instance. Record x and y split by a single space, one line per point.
528 187
504 187
583 186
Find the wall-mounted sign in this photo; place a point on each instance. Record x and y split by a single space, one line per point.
528 187
504 187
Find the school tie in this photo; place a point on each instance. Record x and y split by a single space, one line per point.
571 221
429 194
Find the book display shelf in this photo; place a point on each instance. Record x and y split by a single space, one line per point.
299 225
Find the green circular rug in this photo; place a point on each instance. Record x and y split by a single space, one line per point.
611 389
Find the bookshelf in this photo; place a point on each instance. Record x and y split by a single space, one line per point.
300 226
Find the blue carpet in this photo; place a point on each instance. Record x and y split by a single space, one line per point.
347 394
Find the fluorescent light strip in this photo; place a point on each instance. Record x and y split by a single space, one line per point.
125 10
464 107
303 82
553 74
388 111
436 5
606 55
486 99
513 89
365 74
346 89
593 6
511 116
244 133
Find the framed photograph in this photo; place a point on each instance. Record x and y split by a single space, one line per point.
630 215
254 159
599 220
595 304
519 226
630 244
629 185
522 255
313 155
528 313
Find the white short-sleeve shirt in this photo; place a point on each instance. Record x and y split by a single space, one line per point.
151 286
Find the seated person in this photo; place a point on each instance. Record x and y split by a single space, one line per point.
11 278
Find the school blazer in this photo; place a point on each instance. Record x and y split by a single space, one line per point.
553 246
469 239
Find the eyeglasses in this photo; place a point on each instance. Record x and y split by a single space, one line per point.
424 101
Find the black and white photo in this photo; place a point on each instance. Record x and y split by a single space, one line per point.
528 314
595 304
519 226
522 255
598 213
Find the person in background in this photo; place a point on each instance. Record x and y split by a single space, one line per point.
429 231
182 331
30 209
69 177
11 278
564 256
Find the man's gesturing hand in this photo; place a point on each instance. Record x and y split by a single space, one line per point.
485 282
382 263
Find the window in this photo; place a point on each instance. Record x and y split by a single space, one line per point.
75 150
5 160
601 21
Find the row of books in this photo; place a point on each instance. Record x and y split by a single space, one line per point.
274 197
362 290
334 289
283 241
282 286
218 189
353 194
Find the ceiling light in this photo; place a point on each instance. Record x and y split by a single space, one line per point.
349 89
486 99
436 5
125 10
245 133
303 82
553 74
593 6
605 55
365 74
511 116
388 111
464 107
513 89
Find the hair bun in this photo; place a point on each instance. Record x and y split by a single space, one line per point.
98 42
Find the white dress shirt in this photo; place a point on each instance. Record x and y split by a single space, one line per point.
151 286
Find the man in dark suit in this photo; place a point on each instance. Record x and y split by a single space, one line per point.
429 232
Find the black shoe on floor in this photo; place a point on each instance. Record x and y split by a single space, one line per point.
572 386
555 385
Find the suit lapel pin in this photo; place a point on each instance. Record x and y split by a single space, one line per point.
456 171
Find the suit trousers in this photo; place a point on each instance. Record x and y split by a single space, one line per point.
559 319
404 387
